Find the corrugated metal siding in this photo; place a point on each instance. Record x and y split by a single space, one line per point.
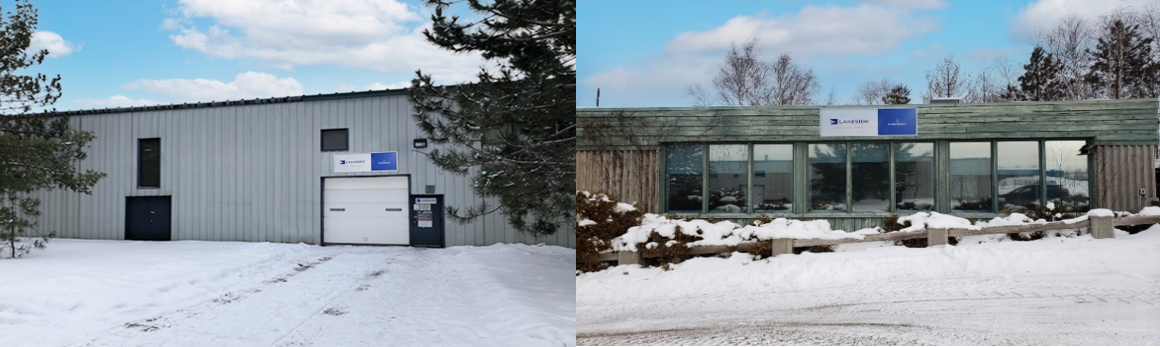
254 172
629 175
1120 173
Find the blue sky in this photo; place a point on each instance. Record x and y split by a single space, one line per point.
118 53
645 53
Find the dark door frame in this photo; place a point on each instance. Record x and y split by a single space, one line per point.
322 203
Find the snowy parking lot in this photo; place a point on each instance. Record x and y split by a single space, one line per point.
1054 291
193 293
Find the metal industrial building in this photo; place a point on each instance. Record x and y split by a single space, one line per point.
261 170
971 160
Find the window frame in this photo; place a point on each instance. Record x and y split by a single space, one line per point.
141 163
322 139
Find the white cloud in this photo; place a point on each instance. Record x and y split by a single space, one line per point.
248 85
380 86
55 44
1043 15
111 102
918 4
865 29
383 35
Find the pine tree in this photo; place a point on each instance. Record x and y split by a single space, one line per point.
1123 66
898 95
513 130
38 150
1041 78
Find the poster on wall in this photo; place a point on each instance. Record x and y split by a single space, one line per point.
869 122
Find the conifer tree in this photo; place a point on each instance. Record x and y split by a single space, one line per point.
1041 78
1122 64
38 150
898 95
513 130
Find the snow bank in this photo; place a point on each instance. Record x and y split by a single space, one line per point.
726 233
1101 212
1150 211
935 220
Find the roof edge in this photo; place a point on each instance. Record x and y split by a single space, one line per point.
255 101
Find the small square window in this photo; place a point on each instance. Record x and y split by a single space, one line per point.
334 140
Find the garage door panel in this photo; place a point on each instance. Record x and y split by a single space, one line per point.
368 224
356 196
364 210
363 183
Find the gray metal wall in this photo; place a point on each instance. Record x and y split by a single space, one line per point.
254 172
1120 173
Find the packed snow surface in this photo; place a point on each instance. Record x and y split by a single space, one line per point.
192 293
987 290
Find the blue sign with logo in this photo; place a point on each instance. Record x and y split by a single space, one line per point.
897 122
384 161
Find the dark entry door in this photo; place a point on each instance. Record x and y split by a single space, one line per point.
147 218
427 220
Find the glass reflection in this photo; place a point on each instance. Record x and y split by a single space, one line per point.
772 178
970 183
827 177
1018 174
728 167
914 177
683 169
870 177
1067 175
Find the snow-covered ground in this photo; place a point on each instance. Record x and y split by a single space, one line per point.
1054 291
191 293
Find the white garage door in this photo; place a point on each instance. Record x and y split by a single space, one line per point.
368 210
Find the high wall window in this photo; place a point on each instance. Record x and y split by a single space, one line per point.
870 177
1018 175
970 184
335 140
1067 175
914 176
827 178
149 163
728 178
772 178
683 174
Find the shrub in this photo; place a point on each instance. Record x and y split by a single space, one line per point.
1055 214
662 251
611 219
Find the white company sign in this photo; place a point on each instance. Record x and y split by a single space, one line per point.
366 162
869 122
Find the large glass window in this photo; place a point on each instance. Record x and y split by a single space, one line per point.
1067 175
1018 175
870 177
914 176
827 177
772 178
149 163
970 183
728 178
683 171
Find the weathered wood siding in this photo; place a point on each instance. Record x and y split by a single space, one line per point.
1120 173
630 175
1109 122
